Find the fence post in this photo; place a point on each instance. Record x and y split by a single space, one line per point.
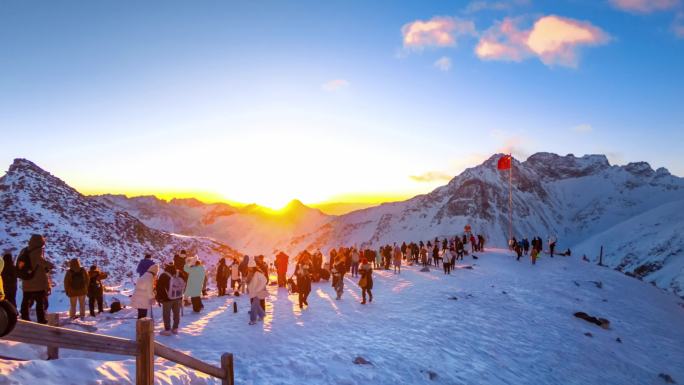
227 366
144 361
53 351
601 257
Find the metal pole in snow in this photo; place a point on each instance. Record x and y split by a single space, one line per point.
510 198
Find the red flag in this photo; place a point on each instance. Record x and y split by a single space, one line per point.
504 162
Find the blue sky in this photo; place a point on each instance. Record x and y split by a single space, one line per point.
331 100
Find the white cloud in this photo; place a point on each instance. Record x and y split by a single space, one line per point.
440 31
678 25
335 85
644 6
553 39
443 64
482 5
583 128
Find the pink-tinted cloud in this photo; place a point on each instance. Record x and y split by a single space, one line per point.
504 41
556 39
644 6
443 64
553 39
678 25
335 85
440 31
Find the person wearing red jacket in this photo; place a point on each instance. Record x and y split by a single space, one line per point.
281 261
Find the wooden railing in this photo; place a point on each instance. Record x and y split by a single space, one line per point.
144 348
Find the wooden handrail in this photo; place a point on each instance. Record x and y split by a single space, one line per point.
38 334
170 354
144 348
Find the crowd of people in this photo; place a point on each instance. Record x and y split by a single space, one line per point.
182 282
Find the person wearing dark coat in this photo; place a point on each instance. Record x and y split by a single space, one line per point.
144 264
281 261
37 288
9 280
95 290
222 274
303 274
366 281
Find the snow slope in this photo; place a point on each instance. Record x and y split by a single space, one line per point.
34 201
511 323
649 245
251 229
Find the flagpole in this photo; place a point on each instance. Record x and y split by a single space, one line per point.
510 198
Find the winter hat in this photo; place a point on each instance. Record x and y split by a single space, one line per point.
251 263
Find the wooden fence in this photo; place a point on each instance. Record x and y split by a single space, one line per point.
144 348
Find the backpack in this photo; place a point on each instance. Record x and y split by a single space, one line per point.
78 280
24 268
115 306
176 287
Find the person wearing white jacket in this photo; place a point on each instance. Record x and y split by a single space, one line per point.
143 295
256 288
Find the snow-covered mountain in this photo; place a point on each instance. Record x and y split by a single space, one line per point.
251 229
34 201
572 198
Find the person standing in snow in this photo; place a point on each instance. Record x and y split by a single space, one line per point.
36 286
338 271
235 277
526 246
446 261
170 287
144 264
378 257
256 288
9 279
222 277
355 258
76 281
366 281
435 255
397 259
143 295
303 274
552 245
196 273
95 290
533 255
281 262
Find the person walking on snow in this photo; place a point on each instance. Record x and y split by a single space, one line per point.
366 281
143 295
281 262
338 271
533 255
196 273
256 288
303 274
170 287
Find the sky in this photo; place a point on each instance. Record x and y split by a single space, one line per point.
332 101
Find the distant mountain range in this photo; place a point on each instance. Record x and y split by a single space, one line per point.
635 212
34 201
